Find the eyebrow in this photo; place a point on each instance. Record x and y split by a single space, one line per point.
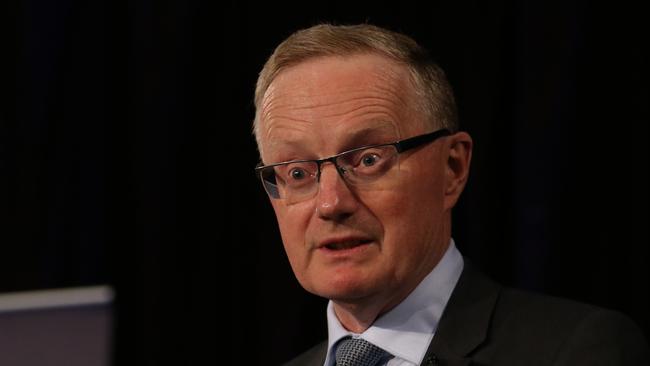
375 132
380 133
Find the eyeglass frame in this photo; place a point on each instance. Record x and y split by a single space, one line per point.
400 146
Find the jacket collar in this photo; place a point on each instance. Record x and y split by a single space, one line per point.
465 321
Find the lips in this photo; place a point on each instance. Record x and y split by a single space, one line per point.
344 243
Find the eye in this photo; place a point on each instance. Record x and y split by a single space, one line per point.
298 173
370 159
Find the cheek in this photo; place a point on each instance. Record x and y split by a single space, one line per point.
411 215
292 221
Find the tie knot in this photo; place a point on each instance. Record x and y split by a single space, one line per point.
359 352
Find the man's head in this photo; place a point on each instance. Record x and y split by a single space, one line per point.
362 229
435 97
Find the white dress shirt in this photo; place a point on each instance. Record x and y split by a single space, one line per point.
407 329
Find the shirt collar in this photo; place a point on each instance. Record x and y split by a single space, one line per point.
407 329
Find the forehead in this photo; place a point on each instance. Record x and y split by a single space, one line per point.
322 79
332 96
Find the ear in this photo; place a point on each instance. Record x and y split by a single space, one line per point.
457 169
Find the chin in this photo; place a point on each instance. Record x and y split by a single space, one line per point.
345 290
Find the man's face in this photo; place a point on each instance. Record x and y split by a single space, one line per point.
348 244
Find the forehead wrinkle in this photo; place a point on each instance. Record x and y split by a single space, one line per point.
335 104
357 136
379 96
387 87
272 129
348 110
354 108
398 90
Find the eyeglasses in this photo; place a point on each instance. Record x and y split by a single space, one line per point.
364 167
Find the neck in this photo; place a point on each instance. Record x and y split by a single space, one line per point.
359 314
356 317
355 320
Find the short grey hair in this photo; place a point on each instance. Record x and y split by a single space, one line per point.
429 80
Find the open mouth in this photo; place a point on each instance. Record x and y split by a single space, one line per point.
348 244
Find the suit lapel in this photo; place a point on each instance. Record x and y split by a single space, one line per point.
465 321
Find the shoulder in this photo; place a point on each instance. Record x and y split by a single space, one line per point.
314 356
496 325
566 331
518 306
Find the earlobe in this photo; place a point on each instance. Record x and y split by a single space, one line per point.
458 163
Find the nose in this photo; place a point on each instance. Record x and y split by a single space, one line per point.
334 200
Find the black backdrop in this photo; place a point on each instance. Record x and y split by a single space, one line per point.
126 158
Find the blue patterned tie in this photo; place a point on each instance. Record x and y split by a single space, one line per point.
359 352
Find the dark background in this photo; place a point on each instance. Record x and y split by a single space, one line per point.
126 158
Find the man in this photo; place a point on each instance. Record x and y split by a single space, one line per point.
363 162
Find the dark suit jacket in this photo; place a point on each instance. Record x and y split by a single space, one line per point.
487 324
